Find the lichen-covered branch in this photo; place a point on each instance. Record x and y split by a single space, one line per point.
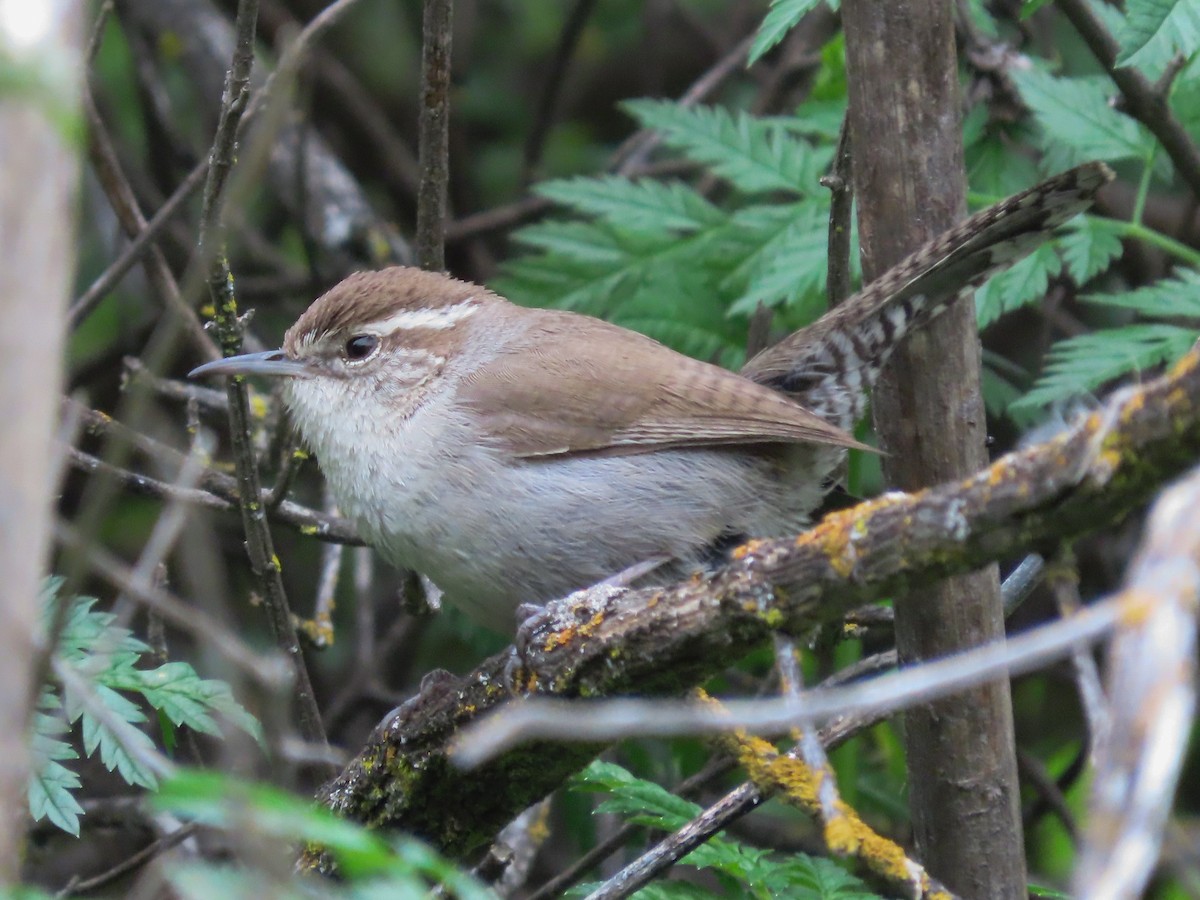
660 641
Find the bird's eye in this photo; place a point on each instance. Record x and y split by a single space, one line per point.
360 347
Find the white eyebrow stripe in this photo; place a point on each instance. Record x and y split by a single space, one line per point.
437 319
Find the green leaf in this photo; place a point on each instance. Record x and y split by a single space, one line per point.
992 167
678 306
119 752
1168 298
216 799
813 878
600 288
754 156
50 782
1076 117
791 264
1080 364
1023 283
1088 245
644 205
760 872
375 866
1155 30
781 18
185 698
629 795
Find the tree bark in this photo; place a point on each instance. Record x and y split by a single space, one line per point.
38 175
908 176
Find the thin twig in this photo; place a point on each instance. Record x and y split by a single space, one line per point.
737 803
265 669
1142 100
124 203
607 720
1050 796
633 153
552 85
841 204
259 545
218 491
433 135
807 745
1063 581
162 845
1151 677
137 247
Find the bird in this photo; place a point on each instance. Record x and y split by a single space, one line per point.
514 455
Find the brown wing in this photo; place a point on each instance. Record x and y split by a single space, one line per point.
572 384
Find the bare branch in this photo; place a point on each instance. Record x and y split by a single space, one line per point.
433 136
1152 689
259 545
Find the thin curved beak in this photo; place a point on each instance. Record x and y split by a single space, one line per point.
269 362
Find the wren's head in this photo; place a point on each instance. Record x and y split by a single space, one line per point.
366 351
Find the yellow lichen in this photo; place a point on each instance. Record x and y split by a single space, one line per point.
1136 606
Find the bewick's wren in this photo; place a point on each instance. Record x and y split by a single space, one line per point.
514 455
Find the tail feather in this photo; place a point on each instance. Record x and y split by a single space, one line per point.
828 366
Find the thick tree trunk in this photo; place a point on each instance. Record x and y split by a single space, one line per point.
908 177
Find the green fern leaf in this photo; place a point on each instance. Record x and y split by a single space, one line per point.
753 156
118 752
1167 298
781 18
1076 117
1088 245
644 205
1018 286
756 870
1080 364
790 265
1155 30
185 698
50 782
811 878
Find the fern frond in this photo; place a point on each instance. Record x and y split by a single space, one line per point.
781 18
752 155
1167 298
642 205
1077 119
1020 285
1155 30
1080 364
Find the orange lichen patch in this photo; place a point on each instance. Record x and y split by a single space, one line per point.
835 536
1178 397
743 550
569 634
997 474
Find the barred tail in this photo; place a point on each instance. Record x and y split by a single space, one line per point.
828 366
